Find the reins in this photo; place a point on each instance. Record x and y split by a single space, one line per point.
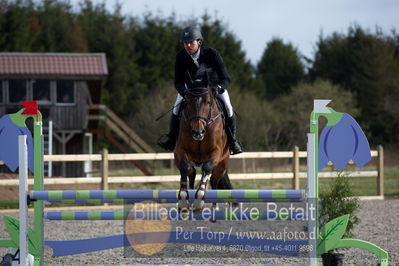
163 114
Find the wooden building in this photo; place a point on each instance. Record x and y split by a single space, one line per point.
64 84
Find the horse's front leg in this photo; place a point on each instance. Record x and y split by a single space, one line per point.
183 204
207 169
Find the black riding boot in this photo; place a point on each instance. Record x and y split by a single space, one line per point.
235 146
168 141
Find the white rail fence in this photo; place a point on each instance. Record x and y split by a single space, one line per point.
295 175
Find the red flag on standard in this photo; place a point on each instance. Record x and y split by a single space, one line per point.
31 107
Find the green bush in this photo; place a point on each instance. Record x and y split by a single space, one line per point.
339 200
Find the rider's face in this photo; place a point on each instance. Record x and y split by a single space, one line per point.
192 47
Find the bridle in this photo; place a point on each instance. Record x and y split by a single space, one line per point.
197 94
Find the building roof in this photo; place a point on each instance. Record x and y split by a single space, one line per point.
53 64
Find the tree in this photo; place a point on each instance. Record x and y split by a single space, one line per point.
16 22
332 60
376 83
366 64
113 34
59 28
280 68
295 107
49 26
156 44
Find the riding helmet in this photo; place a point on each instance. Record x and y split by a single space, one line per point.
190 34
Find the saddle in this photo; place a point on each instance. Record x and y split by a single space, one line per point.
222 107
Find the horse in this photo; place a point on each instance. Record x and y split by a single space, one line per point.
202 141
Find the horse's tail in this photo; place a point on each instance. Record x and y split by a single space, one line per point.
225 183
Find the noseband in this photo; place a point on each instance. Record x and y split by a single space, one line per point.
197 94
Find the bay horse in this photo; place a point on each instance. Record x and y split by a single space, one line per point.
202 141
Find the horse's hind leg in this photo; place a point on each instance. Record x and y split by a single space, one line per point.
220 179
225 183
214 185
191 177
218 182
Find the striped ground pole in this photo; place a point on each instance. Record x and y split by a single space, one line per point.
194 265
230 195
191 200
174 215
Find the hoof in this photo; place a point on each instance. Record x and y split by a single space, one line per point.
183 205
235 205
215 207
198 205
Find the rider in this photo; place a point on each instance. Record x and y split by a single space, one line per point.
190 59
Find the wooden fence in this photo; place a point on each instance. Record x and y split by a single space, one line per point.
105 179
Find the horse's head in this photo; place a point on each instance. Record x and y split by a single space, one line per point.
198 111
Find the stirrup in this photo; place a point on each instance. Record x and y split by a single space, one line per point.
235 152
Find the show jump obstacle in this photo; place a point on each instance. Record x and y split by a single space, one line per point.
340 127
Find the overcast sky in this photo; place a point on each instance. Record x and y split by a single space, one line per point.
255 22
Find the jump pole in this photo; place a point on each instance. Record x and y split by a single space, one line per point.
174 215
170 195
129 201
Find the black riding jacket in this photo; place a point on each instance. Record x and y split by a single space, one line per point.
209 58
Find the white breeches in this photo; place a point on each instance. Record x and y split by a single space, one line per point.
176 107
226 100
224 97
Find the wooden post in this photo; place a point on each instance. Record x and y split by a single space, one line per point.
295 168
380 176
104 170
63 165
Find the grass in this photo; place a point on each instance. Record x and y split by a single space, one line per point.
362 186
391 183
9 204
